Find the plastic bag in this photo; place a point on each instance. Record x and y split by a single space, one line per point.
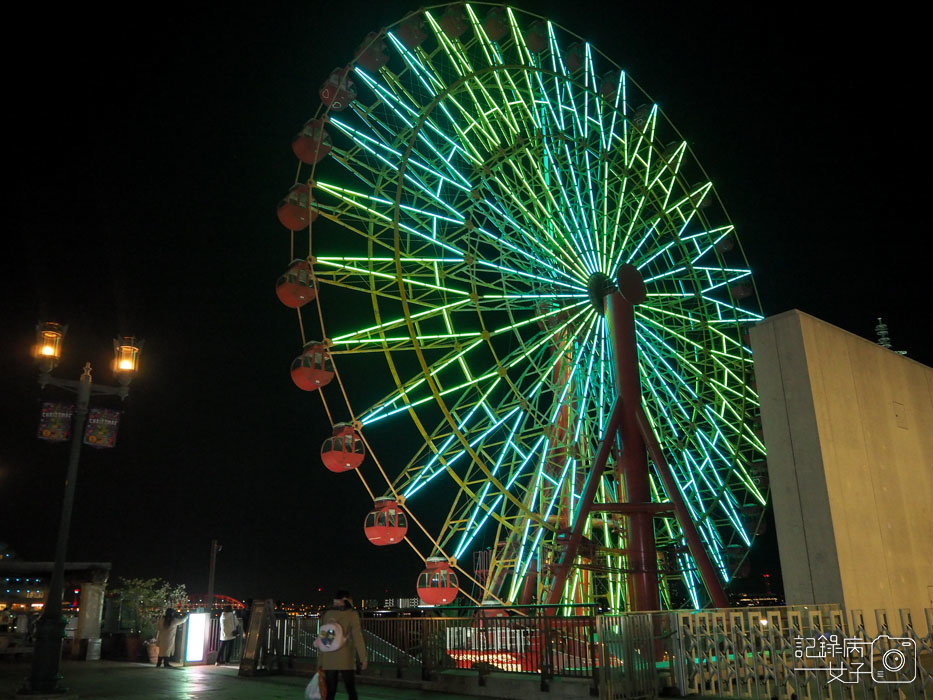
313 691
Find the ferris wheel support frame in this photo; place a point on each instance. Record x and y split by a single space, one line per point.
629 423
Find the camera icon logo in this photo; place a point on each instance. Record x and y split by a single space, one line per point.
893 659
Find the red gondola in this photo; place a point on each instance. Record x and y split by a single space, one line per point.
573 58
437 584
702 196
725 245
371 53
296 287
312 144
312 369
536 37
338 91
610 85
454 21
344 450
385 523
296 210
411 33
641 116
496 24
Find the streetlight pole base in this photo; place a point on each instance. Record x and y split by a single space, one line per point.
45 678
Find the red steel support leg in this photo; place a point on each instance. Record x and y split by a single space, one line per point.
562 567
707 570
643 557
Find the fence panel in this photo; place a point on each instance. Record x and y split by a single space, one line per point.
627 664
802 652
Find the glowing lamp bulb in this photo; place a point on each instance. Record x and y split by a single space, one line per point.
126 364
48 350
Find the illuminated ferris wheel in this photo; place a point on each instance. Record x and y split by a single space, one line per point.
503 249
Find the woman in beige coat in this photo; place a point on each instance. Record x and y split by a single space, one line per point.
343 661
165 635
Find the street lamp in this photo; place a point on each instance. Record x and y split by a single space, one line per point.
46 660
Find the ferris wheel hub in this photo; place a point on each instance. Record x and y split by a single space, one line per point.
598 286
631 284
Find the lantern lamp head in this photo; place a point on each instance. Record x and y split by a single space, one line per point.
126 352
48 347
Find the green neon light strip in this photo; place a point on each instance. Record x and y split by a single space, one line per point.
586 387
661 250
576 247
470 532
576 287
647 235
669 273
526 254
383 412
399 322
371 144
491 509
493 58
723 233
384 275
417 68
541 531
390 100
346 195
404 391
693 395
413 486
572 264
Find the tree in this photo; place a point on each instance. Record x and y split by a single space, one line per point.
144 601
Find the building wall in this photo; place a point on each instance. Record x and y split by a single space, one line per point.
849 430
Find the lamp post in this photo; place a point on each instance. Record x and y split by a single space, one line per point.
210 577
46 661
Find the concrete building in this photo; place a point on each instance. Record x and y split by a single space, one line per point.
849 430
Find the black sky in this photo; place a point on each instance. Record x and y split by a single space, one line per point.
145 158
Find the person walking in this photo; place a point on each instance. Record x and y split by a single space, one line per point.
229 630
165 635
343 661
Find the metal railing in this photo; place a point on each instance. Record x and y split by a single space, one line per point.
810 653
536 642
794 652
627 656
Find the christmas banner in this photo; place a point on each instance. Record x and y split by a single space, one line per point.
101 429
55 421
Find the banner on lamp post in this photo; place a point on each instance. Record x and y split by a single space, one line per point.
55 421
101 429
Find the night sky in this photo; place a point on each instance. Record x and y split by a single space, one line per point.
148 155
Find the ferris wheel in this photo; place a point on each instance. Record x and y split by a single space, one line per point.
494 232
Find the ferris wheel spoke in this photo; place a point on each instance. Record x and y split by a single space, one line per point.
440 464
407 398
402 108
573 200
546 221
542 377
419 182
494 58
530 248
580 159
708 457
374 334
693 398
492 133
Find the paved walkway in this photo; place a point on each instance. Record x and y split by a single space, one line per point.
115 680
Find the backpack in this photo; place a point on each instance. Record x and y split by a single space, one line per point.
330 637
